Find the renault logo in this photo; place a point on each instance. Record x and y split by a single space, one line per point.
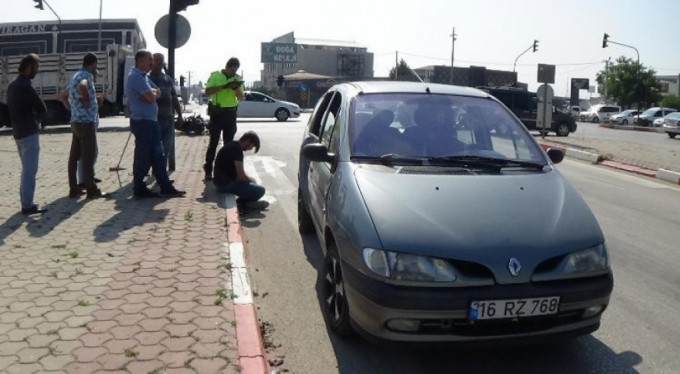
514 266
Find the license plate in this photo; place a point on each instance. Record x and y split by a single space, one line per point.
513 308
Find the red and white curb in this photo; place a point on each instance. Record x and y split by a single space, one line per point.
663 174
251 351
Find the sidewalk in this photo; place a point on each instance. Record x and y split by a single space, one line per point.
115 286
636 154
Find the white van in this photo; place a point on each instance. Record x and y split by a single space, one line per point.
600 112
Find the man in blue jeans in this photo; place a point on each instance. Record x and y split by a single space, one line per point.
142 95
167 104
230 177
25 111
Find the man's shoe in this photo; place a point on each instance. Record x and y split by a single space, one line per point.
146 194
75 192
173 192
251 205
33 210
97 180
96 194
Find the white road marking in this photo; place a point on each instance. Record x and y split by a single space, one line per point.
280 189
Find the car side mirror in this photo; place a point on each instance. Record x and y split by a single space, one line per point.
556 155
317 152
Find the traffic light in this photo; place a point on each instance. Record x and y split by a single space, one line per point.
279 80
535 45
181 81
39 4
604 40
180 5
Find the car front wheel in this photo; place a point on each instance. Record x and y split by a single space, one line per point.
305 224
282 114
672 135
624 122
596 120
562 129
334 296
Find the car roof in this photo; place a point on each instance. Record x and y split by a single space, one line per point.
369 87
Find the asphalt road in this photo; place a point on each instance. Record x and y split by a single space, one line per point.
640 330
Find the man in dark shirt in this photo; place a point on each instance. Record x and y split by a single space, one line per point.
167 104
26 110
230 177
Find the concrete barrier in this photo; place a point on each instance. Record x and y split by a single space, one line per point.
668 175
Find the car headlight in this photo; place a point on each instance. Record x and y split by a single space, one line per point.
592 260
408 267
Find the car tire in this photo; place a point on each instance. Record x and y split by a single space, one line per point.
624 122
305 224
562 129
282 114
334 298
671 135
596 119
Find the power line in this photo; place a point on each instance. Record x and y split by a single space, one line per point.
493 63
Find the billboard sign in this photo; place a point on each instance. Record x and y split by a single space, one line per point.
279 52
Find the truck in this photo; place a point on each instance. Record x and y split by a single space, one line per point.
61 47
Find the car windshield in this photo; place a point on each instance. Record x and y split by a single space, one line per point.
627 112
431 126
649 112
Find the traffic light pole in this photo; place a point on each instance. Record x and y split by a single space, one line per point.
637 68
61 40
520 55
172 42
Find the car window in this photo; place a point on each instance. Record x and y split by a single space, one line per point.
443 125
314 124
248 97
331 119
523 102
258 97
659 113
504 96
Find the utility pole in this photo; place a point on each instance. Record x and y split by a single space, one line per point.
99 36
606 75
453 46
396 65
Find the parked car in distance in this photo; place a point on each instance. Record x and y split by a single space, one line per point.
627 117
671 124
600 112
524 105
575 111
648 116
258 105
441 219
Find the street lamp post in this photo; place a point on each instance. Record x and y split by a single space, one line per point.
59 19
533 46
605 41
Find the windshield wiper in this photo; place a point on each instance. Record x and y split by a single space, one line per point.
390 159
488 162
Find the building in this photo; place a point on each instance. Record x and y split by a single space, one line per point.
341 60
670 84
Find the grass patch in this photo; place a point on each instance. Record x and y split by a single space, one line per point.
73 254
129 352
59 246
188 216
221 294
84 303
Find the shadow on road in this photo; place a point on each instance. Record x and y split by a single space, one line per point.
357 355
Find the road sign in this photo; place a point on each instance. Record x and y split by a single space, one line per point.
279 52
545 94
546 73
182 30
303 87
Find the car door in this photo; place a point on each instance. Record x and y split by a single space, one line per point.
526 108
260 106
321 173
312 135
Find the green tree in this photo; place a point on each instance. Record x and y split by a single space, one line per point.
629 83
671 101
405 73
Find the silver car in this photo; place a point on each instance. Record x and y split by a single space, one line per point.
443 220
671 124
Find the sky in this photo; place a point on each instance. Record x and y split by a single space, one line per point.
490 33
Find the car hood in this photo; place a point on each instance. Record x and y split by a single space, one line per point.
485 219
289 104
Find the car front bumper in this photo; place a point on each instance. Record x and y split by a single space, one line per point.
671 129
443 312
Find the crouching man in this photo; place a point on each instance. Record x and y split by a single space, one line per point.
230 177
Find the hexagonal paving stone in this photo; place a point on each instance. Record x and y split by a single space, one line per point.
31 355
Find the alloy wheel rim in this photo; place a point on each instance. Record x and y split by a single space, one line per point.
335 290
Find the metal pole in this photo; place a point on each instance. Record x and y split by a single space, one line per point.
99 37
453 46
56 15
396 65
637 73
515 64
171 65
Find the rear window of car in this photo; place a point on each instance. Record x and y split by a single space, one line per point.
427 125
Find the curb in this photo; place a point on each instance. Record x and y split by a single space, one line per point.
631 128
252 356
663 174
